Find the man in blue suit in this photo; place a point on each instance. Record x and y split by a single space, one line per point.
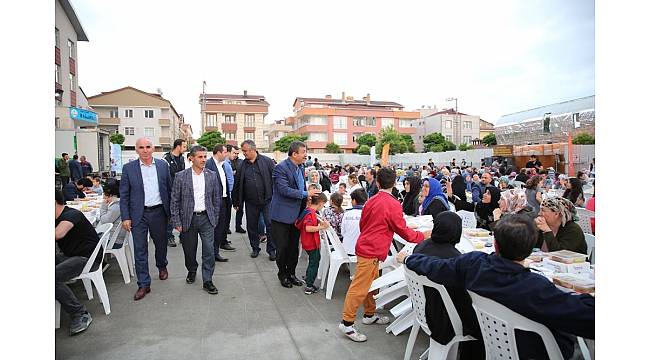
289 199
218 164
145 189
195 204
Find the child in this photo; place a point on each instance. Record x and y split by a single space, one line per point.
97 185
334 213
342 189
310 226
350 221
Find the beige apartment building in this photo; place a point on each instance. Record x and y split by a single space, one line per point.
278 129
136 113
455 126
237 117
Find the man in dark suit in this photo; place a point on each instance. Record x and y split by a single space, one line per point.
217 164
235 163
144 207
176 164
372 183
253 187
195 204
289 199
76 172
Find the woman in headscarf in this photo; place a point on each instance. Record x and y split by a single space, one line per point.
458 195
504 183
445 235
484 211
314 179
435 201
513 201
412 187
558 230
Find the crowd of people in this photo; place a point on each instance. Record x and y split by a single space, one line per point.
288 204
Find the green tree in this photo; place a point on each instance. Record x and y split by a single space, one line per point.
282 145
489 140
363 150
436 142
332 148
436 147
117 139
210 139
369 140
399 144
465 147
410 144
583 139
449 146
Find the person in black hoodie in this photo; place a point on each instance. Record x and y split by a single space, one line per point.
459 198
446 233
485 208
410 203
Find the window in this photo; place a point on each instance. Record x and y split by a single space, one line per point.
364 121
467 139
340 122
113 114
448 137
148 131
211 120
407 123
315 120
317 137
128 113
355 136
129 130
229 118
249 136
340 138
57 74
447 124
230 136
71 79
467 124
386 122
70 49
56 37
249 120
148 114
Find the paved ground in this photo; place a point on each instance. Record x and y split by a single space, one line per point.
252 317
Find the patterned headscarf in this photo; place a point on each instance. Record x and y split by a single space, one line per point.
515 200
564 207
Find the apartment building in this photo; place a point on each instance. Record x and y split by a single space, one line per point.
237 117
278 129
135 114
186 132
485 129
455 126
341 121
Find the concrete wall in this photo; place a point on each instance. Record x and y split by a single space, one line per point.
66 31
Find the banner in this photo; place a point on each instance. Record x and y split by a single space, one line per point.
116 158
385 151
373 157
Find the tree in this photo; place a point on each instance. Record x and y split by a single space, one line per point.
389 135
410 144
332 148
489 140
449 145
436 142
363 150
583 139
369 140
465 147
117 139
282 145
210 139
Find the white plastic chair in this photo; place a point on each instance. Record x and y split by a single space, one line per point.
498 324
89 276
469 219
591 244
120 254
337 258
584 220
416 284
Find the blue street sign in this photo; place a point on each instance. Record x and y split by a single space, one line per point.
83 115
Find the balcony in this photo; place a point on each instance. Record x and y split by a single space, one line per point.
229 127
164 122
109 121
165 140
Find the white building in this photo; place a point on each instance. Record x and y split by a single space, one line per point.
458 128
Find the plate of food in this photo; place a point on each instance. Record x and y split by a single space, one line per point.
476 233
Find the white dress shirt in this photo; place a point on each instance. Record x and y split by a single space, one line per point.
198 184
150 184
222 176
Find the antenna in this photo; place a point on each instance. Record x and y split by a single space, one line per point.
159 91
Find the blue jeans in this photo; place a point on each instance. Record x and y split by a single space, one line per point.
153 222
261 230
190 238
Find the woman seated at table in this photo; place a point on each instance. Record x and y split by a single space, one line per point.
314 178
534 192
484 211
457 195
334 213
512 201
558 230
574 192
504 183
412 187
446 233
434 200
353 183
109 211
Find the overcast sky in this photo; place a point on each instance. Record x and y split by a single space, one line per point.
496 57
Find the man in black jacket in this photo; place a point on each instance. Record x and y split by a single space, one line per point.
176 164
254 187
372 183
235 163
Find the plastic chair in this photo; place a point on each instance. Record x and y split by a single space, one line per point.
584 220
337 258
57 314
498 324
469 219
416 284
591 244
89 275
119 254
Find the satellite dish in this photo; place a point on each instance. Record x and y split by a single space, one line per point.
159 91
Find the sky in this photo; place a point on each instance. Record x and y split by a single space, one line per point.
495 57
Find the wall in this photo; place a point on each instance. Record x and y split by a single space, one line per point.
139 122
66 31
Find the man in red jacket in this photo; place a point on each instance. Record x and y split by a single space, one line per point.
381 218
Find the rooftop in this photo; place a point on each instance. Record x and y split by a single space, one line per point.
564 107
347 102
74 20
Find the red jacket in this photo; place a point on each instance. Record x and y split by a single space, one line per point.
381 218
309 240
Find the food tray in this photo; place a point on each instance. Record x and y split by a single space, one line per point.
567 257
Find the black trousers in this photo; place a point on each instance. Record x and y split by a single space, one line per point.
239 216
287 241
253 212
220 233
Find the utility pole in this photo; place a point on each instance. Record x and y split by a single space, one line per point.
456 127
203 116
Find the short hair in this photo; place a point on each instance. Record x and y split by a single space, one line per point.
219 148
295 147
58 196
533 182
373 172
196 148
112 187
96 177
353 179
534 156
178 142
386 178
250 143
318 198
75 156
229 148
360 196
85 182
515 235
312 186
64 155
336 199
343 184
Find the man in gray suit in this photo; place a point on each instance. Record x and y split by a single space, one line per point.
195 204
